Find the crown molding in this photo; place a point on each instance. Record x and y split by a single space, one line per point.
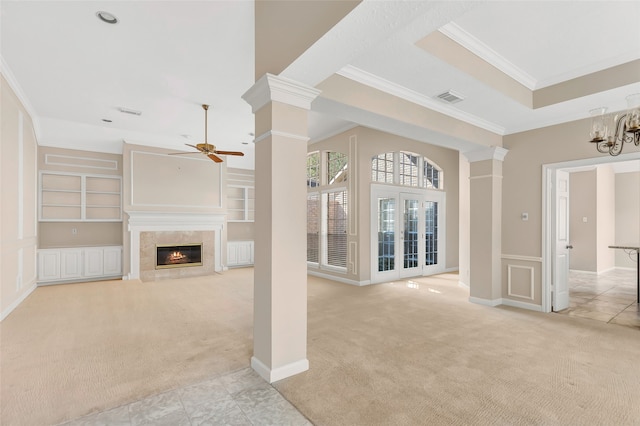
22 97
475 46
387 86
280 89
488 153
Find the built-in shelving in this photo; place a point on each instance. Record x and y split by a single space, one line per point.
240 203
74 197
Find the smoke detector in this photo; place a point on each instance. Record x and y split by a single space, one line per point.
450 97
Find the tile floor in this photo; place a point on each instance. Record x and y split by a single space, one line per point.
238 398
609 297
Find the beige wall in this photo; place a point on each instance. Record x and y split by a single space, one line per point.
627 216
606 227
18 199
582 204
361 144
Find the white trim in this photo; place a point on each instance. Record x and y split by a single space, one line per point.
51 162
22 97
523 258
485 302
17 302
450 270
279 373
531 281
484 177
521 305
20 176
465 285
270 133
280 89
583 272
319 274
156 221
368 79
477 47
625 268
488 153
506 302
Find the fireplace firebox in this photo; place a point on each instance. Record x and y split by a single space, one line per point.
178 256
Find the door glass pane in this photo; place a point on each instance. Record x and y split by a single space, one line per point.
386 237
431 233
410 233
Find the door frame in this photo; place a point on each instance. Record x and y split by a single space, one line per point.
548 213
398 192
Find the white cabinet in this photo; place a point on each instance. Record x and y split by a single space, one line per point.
239 253
48 265
70 264
79 264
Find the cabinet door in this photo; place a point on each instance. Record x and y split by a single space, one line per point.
70 264
48 265
232 253
244 253
112 261
93 262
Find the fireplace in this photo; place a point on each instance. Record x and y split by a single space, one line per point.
178 256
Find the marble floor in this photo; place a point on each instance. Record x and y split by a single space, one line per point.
609 297
238 398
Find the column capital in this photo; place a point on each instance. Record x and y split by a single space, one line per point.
280 89
488 153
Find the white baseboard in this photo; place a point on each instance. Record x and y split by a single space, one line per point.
339 279
449 270
273 375
583 272
506 302
17 302
465 285
624 268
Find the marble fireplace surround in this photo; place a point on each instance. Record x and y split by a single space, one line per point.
146 229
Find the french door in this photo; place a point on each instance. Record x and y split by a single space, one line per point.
407 234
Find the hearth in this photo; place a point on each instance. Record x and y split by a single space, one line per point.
178 256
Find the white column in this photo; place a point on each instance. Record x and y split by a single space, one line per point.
485 234
280 268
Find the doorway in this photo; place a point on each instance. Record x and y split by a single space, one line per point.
407 233
556 243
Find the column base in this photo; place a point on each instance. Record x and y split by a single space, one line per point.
273 375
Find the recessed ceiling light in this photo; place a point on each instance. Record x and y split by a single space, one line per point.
107 17
106 120
129 111
245 143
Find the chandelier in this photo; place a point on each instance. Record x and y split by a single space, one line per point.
626 127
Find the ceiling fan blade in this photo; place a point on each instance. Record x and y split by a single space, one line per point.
215 158
184 153
229 152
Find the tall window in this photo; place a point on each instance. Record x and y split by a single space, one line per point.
313 226
382 168
336 229
313 169
336 167
327 210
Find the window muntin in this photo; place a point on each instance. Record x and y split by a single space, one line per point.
382 168
432 176
406 169
313 169
337 164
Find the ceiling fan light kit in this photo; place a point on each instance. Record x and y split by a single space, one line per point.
627 127
206 148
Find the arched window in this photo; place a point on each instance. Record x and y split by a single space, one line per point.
406 169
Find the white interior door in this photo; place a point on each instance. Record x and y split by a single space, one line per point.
560 292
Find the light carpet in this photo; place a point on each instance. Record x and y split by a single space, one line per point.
408 353
417 352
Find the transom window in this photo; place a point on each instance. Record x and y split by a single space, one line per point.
336 167
406 169
313 169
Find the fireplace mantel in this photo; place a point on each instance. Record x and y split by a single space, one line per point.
159 221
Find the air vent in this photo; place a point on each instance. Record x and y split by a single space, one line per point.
129 111
450 97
